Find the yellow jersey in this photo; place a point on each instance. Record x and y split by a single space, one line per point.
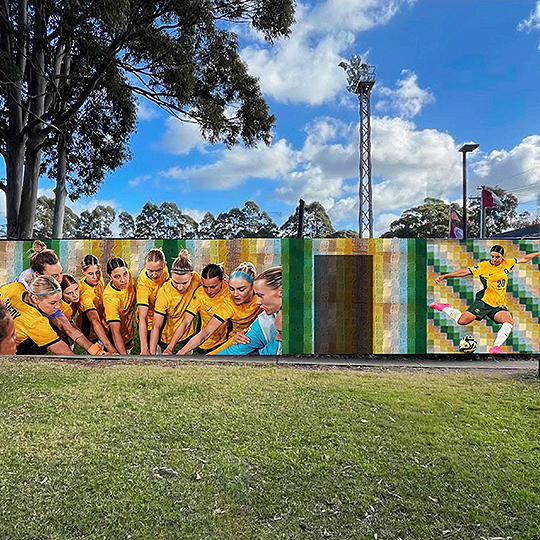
172 305
242 316
212 307
494 280
120 307
69 310
147 291
91 297
30 324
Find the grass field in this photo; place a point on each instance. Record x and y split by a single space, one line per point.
266 453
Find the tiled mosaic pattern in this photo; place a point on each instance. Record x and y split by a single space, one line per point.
263 253
444 256
399 291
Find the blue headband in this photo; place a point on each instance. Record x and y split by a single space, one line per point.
45 293
242 275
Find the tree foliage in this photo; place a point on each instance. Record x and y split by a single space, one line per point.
96 223
57 58
317 223
247 222
44 220
430 219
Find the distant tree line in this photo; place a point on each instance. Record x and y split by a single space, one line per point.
168 222
430 219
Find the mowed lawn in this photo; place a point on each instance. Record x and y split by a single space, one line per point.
266 453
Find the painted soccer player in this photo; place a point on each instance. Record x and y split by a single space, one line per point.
69 303
119 303
172 301
34 334
491 300
210 301
8 335
91 319
150 281
264 335
243 305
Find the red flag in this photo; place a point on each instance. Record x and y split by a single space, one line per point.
489 199
455 220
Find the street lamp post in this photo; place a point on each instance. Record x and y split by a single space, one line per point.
469 147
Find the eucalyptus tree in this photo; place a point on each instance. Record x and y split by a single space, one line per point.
180 54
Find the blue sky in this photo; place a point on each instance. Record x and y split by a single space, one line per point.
448 72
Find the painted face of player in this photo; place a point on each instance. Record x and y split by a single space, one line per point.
71 294
241 290
269 299
496 258
93 274
279 326
8 345
211 286
181 282
49 303
154 269
120 277
53 270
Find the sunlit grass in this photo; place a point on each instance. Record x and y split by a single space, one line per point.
265 453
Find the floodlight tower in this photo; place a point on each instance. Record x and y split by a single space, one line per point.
360 81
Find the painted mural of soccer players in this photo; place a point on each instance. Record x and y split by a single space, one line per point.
119 304
35 334
43 262
8 336
210 301
264 335
172 301
91 319
150 281
490 301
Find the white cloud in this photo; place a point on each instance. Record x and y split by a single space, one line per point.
138 180
182 137
197 215
146 110
407 100
533 22
304 67
407 166
237 165
517 170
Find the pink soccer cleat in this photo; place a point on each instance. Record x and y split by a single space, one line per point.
438 306
496 350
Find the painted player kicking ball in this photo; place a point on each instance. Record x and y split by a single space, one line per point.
491 300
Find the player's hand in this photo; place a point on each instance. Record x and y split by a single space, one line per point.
95 349
145 351
438 279
240 338
167 351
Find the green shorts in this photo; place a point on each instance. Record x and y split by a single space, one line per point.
481 310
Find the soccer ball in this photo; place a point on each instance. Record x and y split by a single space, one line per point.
468 344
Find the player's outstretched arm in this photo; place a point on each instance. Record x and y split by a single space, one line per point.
462 272
179 332
528 257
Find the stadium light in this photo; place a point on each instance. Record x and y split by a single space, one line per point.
469 147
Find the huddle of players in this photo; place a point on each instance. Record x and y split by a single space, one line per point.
210 313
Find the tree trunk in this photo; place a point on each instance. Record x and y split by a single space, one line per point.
14 167
36 134
60 192
27 211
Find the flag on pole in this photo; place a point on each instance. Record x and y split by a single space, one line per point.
454 220
489 199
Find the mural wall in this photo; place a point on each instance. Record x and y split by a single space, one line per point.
345 296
